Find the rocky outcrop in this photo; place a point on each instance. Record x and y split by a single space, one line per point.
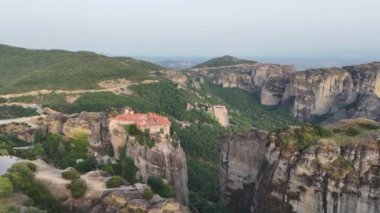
334 93
130 199
258 175
94 124
177 77
251 77
162 160
318 92
219 112
98 198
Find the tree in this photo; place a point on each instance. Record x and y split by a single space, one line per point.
6 187
148 194
127 167
38 136
51 145
115 182
70 174
21 175
78 188
160 187
79 143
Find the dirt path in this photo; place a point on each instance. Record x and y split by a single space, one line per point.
119 86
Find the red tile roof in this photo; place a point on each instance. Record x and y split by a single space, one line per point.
144 120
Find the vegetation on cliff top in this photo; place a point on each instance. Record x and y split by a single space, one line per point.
346 132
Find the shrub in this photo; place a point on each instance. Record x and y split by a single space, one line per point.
115 182
160 187
151 143
110 151
71 174
86 165
369 126
6 187
324 132
148 194
352 131
78 188
3 152
38 136
175 143
20 174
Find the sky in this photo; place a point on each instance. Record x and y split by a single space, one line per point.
250 28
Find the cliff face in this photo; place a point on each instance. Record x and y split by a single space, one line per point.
259 175
162 160
339 93
318 92
251 77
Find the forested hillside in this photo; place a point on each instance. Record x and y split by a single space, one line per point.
23 70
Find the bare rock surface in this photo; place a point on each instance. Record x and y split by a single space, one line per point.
260 175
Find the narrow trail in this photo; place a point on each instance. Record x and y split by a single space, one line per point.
106 86
19 120
66 92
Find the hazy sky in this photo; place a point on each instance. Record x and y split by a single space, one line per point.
196 27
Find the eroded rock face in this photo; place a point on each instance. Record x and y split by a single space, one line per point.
337 92
258 176
177 77
317 92
162 160
251 77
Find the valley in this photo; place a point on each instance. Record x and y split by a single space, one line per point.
244 136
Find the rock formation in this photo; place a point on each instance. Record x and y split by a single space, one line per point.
337 93
163 160
219 112
258 174
98 198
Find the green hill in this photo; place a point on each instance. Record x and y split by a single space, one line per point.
23 70
224 61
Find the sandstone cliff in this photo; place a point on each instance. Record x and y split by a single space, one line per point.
337 174
335 93
163 160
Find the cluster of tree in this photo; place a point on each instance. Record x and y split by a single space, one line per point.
293 139
15 112
8 142
20 178
72 152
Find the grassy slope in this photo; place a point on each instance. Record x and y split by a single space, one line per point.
224 61
23 70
